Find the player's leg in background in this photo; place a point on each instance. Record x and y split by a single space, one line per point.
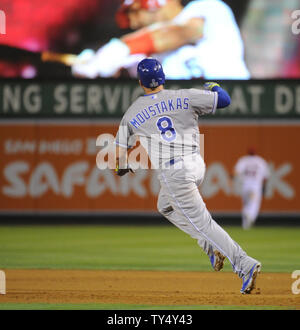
246 221
185 198
251 206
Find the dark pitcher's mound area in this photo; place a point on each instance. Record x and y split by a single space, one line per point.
145 287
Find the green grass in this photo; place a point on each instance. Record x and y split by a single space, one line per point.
137 247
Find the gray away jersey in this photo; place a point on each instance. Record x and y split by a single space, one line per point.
166 123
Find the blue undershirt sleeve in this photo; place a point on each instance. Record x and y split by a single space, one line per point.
223 97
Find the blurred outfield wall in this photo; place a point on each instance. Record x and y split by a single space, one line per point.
48 147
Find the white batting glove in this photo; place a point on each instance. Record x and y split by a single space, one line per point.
105 62
81 67
85 56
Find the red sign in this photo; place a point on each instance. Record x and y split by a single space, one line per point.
52 167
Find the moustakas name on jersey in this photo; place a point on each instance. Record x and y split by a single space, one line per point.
166 123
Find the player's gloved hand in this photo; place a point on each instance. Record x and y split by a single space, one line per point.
81 67
210 85
85 56
106 62
122 171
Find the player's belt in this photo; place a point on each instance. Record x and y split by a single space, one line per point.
172 161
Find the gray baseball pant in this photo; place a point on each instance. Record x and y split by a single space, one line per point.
181 203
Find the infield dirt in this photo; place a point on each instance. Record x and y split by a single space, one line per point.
146 287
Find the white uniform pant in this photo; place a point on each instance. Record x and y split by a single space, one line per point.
251 197
181 203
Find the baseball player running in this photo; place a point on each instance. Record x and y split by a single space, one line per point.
166 123
252 172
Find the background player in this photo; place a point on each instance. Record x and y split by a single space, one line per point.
251 172
201 39
166 123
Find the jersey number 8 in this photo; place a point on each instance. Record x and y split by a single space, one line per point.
167 131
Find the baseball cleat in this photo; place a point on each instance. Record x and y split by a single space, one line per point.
217 260
250 279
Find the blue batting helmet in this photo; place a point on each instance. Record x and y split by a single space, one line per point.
150 73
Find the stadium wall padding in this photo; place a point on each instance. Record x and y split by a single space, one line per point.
48 148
